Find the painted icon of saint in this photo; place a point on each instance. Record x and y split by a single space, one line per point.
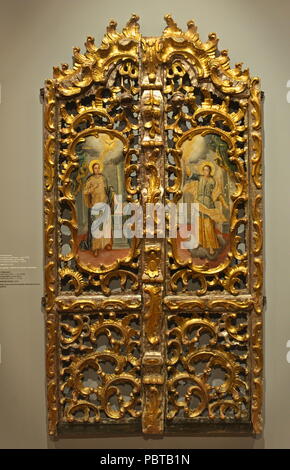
98 197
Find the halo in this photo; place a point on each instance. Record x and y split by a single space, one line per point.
93 162
204 163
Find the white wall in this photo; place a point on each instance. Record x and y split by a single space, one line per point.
34 36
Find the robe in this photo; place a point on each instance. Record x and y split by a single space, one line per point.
96 191
202 190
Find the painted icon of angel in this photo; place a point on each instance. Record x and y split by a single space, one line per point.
207 182
206 190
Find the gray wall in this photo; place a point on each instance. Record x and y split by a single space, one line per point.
35 36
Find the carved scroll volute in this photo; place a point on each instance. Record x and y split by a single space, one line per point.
50 255
49 198
257 288
51 374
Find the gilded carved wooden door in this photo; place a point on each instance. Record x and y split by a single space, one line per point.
155 325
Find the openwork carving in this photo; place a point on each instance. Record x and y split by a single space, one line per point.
208 367
100 367
161 331
197 117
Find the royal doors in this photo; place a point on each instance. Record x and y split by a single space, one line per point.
153 238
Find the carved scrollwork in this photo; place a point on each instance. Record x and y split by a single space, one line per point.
201 119
154 335
96 62
124 277
175 303
89 304
112 369
51 367
201 347
257 259
49 141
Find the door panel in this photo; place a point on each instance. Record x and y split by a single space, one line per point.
156 326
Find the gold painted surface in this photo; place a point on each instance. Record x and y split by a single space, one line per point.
208 374
175 341
152 142
257 259
94 64
153 312
98 361
51 373
235 135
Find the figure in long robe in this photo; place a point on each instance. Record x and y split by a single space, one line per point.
203 190
98 197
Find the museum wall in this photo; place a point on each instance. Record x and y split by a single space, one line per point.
35 36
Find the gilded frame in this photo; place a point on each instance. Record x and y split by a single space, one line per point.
149 294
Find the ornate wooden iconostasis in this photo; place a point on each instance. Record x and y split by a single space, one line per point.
147 333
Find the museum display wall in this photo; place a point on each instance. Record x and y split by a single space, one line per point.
35 37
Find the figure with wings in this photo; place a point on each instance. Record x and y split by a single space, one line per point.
206 190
